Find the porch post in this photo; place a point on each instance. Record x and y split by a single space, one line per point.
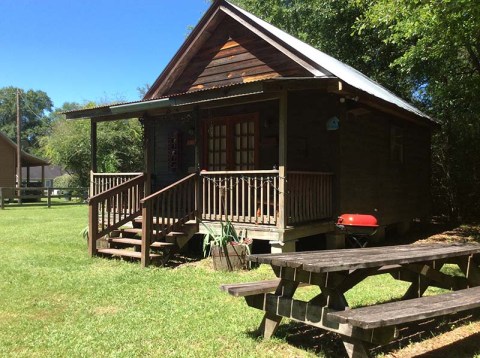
148 153
28 176
43 175
282 161
93 144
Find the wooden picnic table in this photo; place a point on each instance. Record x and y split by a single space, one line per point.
337 271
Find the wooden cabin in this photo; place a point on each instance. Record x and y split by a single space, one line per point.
8 162
251 125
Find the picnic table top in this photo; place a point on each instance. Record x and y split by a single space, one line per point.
361 258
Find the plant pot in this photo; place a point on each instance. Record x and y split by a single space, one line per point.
233 259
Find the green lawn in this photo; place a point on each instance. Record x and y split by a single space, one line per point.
56 301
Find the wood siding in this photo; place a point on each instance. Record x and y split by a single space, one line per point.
371 182
8 169
233 55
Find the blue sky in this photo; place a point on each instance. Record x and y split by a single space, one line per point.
79 50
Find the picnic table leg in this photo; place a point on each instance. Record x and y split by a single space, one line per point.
269 325
355 348
271 321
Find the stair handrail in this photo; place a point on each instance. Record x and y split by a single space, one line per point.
121 201
166 210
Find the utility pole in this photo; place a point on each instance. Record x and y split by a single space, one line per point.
19 149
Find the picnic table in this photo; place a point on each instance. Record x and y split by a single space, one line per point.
337 271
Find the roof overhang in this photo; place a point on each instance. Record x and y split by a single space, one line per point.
243 93
28 160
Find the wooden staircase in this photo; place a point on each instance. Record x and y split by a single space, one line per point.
126 243
161 223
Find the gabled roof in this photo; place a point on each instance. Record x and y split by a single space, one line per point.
317 63
28 160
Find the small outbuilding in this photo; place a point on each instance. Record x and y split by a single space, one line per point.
8 163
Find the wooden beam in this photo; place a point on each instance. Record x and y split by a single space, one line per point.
93 145
282 160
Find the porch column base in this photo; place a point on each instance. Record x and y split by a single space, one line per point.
335 241
277 247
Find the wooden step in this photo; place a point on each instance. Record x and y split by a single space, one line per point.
138 242
172 220
126 253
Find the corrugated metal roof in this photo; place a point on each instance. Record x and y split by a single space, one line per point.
344 72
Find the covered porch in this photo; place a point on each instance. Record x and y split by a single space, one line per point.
221 155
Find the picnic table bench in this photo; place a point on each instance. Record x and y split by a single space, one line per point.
337 271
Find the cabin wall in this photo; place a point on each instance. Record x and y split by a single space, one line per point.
7 173
310 146
166 169
373 180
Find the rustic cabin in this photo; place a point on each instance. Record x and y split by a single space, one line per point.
251 125
8 173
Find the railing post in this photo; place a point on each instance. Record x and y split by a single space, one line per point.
92 228
282 161
146 233
198 210
92 192
49 197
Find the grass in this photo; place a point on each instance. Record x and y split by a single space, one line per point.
55 301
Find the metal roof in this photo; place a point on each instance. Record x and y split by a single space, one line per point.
329 64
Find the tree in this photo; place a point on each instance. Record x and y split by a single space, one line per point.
428 52
119 145
438 51
35 107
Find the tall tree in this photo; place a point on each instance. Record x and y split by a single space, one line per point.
426 51
35 108
68 145
438 46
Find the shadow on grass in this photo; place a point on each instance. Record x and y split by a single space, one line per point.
330 345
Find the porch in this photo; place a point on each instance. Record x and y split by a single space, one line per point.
261 203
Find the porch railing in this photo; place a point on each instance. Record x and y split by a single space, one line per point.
100 182
166 210
253 196
113 208
310 196
240 196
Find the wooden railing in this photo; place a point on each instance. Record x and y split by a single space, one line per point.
309 196
100 182
166 210
240 196
113 208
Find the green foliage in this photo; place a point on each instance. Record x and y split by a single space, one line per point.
438 51
428 52
227 235
119 146
34 109
66 181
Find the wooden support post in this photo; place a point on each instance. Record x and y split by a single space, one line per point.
19 149
93 145
49 197
148 153
92 228
282 162
2 199
28 176
43 175
335 240
92 185
146 234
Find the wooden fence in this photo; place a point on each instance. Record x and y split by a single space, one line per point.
37 193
